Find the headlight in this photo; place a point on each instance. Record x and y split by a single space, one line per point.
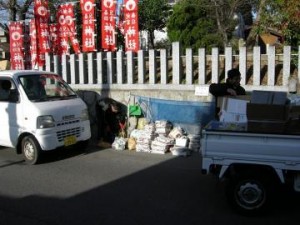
45 122
84 115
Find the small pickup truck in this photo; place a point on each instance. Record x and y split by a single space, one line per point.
254 164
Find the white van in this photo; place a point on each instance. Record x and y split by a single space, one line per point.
40 112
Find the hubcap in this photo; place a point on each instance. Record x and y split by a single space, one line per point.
29 151
250 196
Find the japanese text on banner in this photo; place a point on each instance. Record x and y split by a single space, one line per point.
41 15
88 25
67 29
108 25
16 45
131 28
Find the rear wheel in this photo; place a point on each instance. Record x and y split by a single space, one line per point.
249 194
31 150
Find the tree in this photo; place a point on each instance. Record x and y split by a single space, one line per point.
191 25
282 16
212 21
16 10
225 13
153 15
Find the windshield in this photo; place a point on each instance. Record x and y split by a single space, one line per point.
46 87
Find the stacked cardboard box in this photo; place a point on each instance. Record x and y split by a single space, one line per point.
293 123
233 109
267 112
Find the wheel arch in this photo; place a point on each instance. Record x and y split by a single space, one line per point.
19 146
270 172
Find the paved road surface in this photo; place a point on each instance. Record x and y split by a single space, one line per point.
108 187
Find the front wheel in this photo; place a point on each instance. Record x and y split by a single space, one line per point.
31 150
249 194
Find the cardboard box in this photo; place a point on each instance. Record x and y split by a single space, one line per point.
267 112
222 100
270 127
294 112
261 97
269 97
293 127
233 117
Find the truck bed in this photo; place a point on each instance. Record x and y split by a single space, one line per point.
227 147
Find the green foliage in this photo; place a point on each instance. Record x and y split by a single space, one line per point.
153 15
282 16
191 25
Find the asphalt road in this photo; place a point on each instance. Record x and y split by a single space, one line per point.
118 188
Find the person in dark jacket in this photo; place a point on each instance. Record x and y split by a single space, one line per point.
111 117
232 87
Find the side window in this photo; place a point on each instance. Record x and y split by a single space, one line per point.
6 88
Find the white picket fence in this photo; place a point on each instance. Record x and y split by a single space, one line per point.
178 70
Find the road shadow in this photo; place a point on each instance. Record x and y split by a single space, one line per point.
171 192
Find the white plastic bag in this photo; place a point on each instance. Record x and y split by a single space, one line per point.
119 144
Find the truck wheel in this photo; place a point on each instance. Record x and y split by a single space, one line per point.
249 194
31 150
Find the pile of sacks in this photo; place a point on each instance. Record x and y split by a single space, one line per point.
160 137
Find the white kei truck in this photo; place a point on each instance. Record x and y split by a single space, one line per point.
40 112
253 164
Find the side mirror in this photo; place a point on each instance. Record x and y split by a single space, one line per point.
13 96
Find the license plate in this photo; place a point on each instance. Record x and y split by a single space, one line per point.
70 140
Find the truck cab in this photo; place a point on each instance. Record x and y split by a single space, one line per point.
40 112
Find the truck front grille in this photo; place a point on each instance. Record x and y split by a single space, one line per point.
68 132
68 122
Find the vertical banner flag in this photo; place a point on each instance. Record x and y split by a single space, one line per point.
63 32
121 20
41 15
88 25
27 62
131 28
33 42
53 28
108 25
67 29
16 45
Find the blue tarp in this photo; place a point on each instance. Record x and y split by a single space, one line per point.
177 112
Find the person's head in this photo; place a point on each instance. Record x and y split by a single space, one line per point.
234 77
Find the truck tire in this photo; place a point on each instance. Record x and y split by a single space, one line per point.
31 150
249 194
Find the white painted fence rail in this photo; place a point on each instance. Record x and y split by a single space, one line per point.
178 70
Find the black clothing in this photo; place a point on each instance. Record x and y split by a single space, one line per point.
109 121
221 89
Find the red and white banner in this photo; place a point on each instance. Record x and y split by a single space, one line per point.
28 64
121 20
41 15
33 42
88 25
53 28
131 28
108 25
66 29
16 45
